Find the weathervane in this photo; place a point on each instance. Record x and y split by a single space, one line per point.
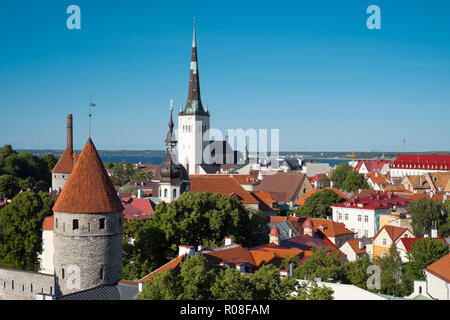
90 112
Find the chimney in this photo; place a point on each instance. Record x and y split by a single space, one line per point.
69 134
274 236
140 193
316 184
228 241
182 250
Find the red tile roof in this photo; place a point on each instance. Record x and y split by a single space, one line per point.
422 161
171 265
265 200
88 189
441 268
65 163
378 201
435 197
222 184
141 209
354 244
245 179
48 223
407 242
393 232
372 165
329 227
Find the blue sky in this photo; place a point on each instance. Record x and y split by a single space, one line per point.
309 68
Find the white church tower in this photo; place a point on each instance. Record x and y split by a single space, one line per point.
193 121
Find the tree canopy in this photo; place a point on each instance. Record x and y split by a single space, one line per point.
424 212
20 230
354 181
340 173
425 252
318 204
322 263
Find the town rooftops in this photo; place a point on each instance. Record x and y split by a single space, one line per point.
223 184
441 268
354 244
89 188
65 163
138 208
422 161
378 201
372 165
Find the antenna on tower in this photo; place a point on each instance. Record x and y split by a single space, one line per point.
90 112
404 145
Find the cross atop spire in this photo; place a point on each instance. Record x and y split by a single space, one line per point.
171 140
194 102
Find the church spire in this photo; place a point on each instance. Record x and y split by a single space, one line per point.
171 140
194 102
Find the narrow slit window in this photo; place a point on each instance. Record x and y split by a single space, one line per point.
102 223
75 224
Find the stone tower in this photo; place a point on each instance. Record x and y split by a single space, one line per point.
193 121
174 177
87 227
64 166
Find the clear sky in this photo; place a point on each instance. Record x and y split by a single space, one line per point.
310 68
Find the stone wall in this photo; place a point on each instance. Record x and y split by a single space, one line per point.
24 285
88 255
59 180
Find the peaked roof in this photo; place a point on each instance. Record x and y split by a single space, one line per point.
282 185
330 228
65 162
393 232
88 189
354 244
48 223
441 268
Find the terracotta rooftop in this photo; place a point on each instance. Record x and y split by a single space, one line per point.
265 200
375 201
171 265
372 165
354 244
441 268
393 232
222 184
329 227
48 223
65 163
89 188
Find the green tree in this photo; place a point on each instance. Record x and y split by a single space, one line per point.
141 175
321 263
324 181
197 278
9 186
356 272
318 204
340 173
426 211
268 284
206 219
162 286
393 274
231 285
310 290
354 181
21 234
425 252
50 160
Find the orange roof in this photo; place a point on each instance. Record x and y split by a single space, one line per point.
245 179
302 201
224 185
265 200
393 232
261 257
436 197
441 268
48 223
171 265
274 219
354 244
330 228
88 189
65 163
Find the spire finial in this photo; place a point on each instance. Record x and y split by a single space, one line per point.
194 40
90 112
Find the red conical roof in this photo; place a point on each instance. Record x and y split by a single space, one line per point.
89 188
65 163
274 231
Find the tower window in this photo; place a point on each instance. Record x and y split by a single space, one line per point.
102 223
62 273
101 273
56 223
12 284
31 287
75 224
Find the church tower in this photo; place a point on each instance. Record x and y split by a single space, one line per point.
193 121
174 177
87 227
